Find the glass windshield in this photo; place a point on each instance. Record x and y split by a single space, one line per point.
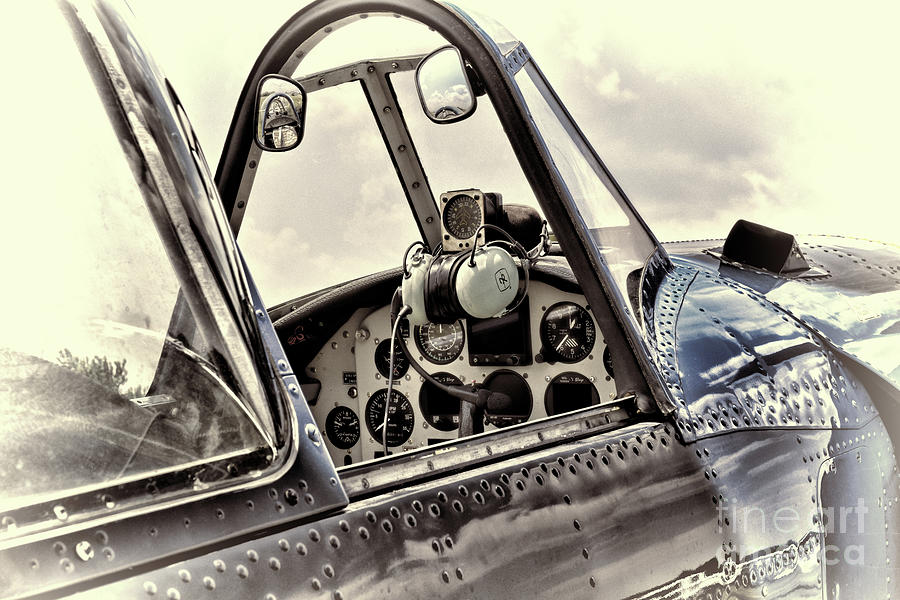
623 242
104 372
474 152
329 211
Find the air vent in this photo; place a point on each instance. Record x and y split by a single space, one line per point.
764 248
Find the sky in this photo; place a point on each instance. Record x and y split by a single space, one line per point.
705 112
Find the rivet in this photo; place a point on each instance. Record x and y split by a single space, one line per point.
252 556
150 588
313 434
219 565
445 576
274 563
328 570
173 594
84 550
209 583
316 584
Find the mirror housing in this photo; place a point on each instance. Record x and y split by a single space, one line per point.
444 88
280 113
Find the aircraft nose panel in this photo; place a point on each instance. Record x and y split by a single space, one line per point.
740 362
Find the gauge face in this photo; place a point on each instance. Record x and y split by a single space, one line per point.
462 216
516 389
567 332
439 408
608 363
439 342
342 427
569 391
400 417
383 359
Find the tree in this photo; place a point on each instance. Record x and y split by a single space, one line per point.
98 369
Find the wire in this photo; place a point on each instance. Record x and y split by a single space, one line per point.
512 241
406 255
390 389
543 244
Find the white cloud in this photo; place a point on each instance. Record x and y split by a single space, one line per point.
610 87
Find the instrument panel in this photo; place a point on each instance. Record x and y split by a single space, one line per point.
545 356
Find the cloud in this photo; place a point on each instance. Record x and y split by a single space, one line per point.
609 87
705 113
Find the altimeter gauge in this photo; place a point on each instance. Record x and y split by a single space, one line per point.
441 343
567 333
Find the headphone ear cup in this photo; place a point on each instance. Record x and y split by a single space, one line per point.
490 286
412 288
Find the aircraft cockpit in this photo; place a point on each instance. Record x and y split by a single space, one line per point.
473 320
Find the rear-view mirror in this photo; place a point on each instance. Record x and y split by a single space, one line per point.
280 111
443 85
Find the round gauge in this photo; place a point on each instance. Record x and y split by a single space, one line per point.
608 363
462 216
400 417
342 427
567 331
383 359
516 388
439 408
439 342
569 391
